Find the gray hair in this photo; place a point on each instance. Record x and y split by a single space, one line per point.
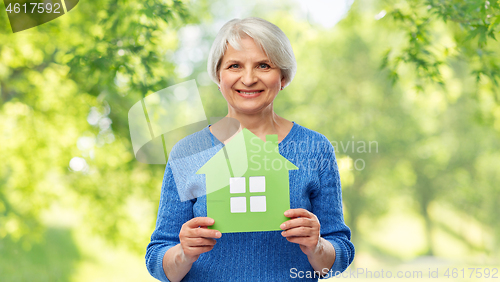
265 34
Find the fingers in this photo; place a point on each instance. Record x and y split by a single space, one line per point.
298 222
196 238
196 251
196 227
302 223
291 213
303 228
202 232
307 238
191 254
193 247
306 241
199 242
300 232
200 221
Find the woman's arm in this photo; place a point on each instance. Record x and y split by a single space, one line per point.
323 257
175 264
326 204
195 239
328 247
173 225
304 229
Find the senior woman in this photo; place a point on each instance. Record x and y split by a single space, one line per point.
252 60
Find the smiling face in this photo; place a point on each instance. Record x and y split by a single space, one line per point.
248 80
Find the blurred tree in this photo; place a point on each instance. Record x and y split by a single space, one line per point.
52 259
66 88
452 43
430 140
472 27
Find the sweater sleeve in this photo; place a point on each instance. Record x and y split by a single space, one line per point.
172 214
327 206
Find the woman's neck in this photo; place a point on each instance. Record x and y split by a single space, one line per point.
262 123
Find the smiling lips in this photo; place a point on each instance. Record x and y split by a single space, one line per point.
249 94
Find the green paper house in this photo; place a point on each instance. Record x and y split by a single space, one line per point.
247 185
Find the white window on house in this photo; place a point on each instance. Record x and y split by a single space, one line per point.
237 185
257 184
238 204
257 203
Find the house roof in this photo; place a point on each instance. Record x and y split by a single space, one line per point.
246 152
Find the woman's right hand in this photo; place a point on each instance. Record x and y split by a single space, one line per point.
196 238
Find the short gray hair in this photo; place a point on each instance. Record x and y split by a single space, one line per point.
265 34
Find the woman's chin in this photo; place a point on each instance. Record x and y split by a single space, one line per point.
249 108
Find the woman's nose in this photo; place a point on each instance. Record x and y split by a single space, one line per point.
249 78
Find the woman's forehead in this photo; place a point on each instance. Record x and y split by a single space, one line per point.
249 50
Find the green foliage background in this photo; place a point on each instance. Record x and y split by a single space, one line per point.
417 79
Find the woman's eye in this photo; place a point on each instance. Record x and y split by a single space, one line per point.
233 66
264 66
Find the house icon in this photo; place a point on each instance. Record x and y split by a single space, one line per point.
247 184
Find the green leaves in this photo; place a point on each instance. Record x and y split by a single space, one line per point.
92 64
478 20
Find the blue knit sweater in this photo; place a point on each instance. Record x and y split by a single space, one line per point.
254 256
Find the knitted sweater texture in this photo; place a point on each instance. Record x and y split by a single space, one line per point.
252 256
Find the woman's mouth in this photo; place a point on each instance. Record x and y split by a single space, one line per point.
249 92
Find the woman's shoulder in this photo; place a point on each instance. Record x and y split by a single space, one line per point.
302 133
306 140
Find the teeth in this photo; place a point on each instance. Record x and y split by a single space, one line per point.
250 93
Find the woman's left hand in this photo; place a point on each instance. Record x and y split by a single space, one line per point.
303 229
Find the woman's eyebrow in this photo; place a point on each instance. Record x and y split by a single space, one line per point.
265 61
232 62
268 62
238 62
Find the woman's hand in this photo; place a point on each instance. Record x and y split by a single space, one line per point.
303 228
196 238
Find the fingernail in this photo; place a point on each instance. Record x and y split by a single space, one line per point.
282 226
217 234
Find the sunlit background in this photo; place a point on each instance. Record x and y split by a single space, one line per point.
410 102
